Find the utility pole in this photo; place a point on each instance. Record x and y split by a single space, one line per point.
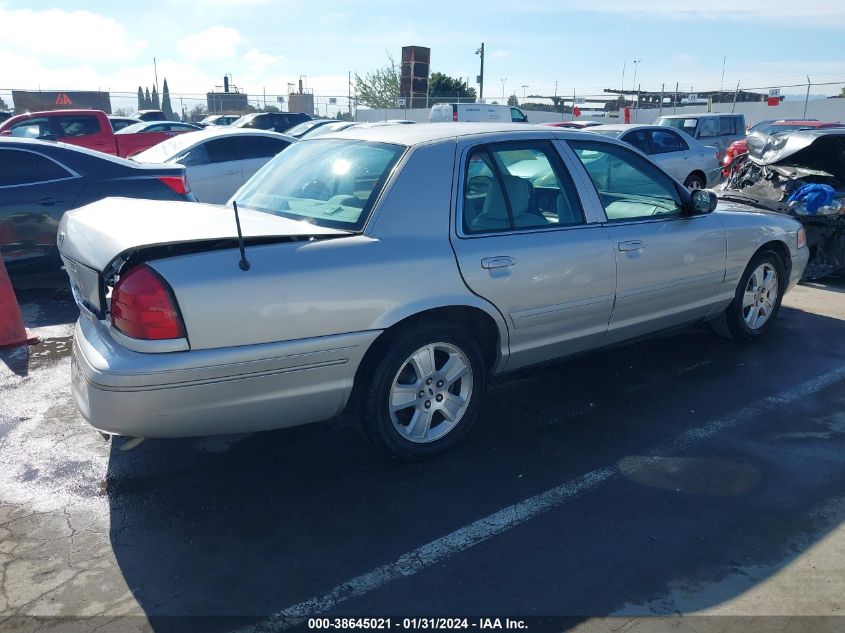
480 51
675 102
722 85
662 88
524 86
155 70
622 87
555 87
503 80
349 94
807 98
736 92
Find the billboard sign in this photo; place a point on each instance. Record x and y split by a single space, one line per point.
38 100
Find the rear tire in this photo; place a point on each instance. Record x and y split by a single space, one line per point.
694 181
422 390
757 300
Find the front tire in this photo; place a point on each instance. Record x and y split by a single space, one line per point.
757 300
423 392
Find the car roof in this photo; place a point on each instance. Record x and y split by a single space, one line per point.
182 142
411 135
699 115
49 147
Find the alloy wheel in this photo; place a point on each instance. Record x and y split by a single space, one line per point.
430 393
760 296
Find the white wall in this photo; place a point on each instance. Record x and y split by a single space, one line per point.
822 109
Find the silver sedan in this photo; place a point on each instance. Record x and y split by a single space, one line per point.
392 272
691 162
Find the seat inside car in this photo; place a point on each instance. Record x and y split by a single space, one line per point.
494 212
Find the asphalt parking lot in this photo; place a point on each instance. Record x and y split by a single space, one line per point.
679 474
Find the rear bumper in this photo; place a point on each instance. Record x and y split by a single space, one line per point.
209 392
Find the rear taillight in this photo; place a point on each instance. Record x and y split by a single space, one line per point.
176 183
143 307
454 115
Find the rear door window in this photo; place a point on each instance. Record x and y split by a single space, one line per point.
518 186
664 141
22 168
223 150
727 125
75 126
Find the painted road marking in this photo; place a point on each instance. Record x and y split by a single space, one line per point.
463 538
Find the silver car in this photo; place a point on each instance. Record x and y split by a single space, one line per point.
392 272
692 163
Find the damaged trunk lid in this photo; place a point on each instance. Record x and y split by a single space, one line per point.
97 240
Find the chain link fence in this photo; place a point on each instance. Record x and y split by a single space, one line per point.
757 101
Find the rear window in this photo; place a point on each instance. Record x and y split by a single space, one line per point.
686 125
20 168
331 183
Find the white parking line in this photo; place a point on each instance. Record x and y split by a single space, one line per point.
463 538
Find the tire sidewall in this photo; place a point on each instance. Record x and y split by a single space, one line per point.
373 414
736 322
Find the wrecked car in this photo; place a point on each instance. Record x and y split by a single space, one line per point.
801 174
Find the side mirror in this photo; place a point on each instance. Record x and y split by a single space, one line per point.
48 137
703 201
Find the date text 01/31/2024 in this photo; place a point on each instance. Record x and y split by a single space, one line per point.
388 624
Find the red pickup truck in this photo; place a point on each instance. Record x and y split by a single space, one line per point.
86 128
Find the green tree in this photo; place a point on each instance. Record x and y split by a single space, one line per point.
166 106
513 101
155 103
842 93
379 88
140 98
445 89
197 113
270 108
148 102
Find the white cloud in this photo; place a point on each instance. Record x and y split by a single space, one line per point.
216 42
73 35
258 58
499 54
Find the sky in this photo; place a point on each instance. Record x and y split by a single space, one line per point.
531 47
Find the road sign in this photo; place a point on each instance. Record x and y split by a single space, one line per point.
400 102
579 100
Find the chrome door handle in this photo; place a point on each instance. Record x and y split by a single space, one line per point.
633 245
497 262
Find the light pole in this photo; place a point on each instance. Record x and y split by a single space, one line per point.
480 51
503 80
634 87
636 63
524 86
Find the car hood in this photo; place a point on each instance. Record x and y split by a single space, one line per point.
806 150
96 234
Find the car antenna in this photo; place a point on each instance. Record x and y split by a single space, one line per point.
243 264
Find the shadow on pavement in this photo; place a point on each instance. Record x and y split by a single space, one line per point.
246 526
